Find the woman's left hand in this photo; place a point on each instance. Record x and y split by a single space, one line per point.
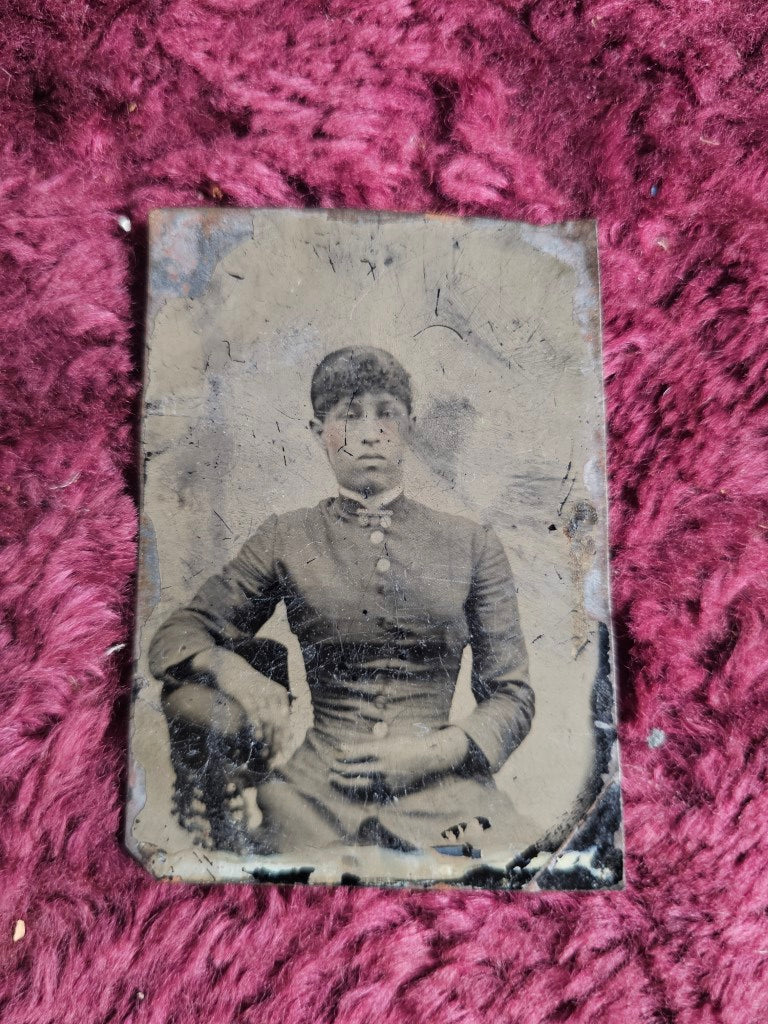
397 763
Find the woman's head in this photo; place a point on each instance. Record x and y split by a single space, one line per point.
361 398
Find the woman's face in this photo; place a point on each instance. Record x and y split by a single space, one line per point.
365 437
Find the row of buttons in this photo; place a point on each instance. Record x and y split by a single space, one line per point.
380 729
383 564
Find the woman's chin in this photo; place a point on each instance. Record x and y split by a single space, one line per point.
371 481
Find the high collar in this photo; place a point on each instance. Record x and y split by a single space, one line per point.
351 506
376 503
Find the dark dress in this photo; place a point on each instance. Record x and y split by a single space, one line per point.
383 609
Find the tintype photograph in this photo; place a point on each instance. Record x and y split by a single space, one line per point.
373 638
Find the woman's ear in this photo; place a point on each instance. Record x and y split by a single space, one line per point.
317 426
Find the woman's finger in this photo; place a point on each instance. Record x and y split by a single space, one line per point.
282 733
350 782
354 772
359 758
257 730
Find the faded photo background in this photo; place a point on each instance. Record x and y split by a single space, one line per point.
498 325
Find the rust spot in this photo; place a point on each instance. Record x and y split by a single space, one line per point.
584 514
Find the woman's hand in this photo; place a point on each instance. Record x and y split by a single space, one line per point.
265 703
397 763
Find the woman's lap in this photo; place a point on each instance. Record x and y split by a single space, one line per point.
301 809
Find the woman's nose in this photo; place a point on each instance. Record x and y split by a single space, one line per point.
369 431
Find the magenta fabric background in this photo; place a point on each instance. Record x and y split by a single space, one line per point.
650 115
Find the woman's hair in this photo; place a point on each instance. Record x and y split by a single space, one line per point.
353 371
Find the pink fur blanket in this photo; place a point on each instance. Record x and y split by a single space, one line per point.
650 115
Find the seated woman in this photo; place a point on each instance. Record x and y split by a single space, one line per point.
383 594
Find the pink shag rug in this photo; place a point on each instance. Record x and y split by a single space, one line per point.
650 115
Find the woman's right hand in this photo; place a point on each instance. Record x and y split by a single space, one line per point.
265 703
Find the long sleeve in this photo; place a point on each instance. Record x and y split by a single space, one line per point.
227 610
505 701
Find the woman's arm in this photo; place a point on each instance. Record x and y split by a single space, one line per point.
505 701
225 613
213 635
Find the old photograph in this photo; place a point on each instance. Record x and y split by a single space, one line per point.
373 635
